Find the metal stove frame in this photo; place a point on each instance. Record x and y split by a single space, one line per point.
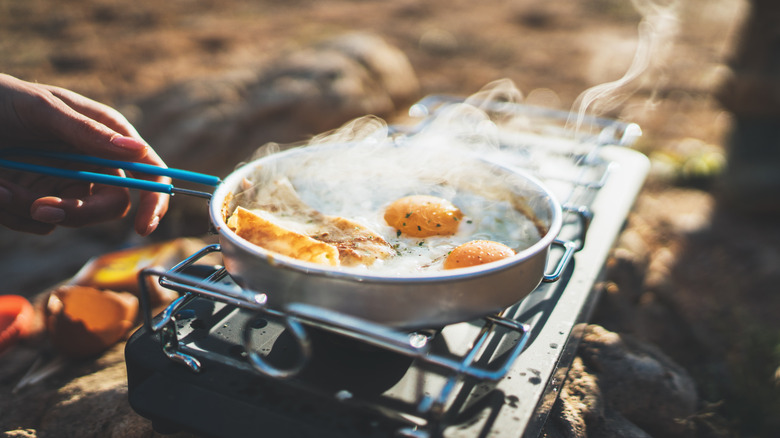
504 382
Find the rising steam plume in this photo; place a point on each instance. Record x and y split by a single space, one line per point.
657 30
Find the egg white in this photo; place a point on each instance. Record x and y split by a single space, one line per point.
483 219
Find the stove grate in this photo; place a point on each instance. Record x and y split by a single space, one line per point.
435 378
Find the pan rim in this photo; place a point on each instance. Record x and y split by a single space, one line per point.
228 184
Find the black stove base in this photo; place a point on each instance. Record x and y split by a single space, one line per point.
223 401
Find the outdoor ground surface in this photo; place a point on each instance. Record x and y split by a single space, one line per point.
707 287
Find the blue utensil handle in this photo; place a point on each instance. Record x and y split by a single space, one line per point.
148 169
101 178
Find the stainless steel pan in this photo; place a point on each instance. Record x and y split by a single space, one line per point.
405 301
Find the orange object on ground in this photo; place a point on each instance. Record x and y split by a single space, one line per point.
84 321
16 319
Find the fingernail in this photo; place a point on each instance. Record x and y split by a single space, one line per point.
5 196
152 225
128 143
49 215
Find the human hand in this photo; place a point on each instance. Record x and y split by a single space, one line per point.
51 118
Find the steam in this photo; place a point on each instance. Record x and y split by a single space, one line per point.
436 157
350 178
657 30
368 130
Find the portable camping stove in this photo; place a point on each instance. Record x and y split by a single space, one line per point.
217 362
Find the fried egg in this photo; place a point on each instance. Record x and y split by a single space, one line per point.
423 216
477 252
499 229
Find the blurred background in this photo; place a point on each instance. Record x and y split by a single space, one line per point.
690 276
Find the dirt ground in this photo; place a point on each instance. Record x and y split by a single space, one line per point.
698 281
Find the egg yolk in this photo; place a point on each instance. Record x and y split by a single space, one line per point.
477 252
423 216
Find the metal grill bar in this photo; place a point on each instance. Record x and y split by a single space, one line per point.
345 325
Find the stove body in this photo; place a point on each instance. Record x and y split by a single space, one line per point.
217 364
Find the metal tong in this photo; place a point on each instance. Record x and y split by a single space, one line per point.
7 162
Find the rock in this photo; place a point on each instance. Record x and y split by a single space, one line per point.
618 387
387 64
579 402
91 404
639 381
212 124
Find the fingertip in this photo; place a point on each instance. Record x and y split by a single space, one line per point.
149 227
129 144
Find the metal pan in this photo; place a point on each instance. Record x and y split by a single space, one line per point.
402 301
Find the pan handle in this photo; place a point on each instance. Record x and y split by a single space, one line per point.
585 216
131 183
569 248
